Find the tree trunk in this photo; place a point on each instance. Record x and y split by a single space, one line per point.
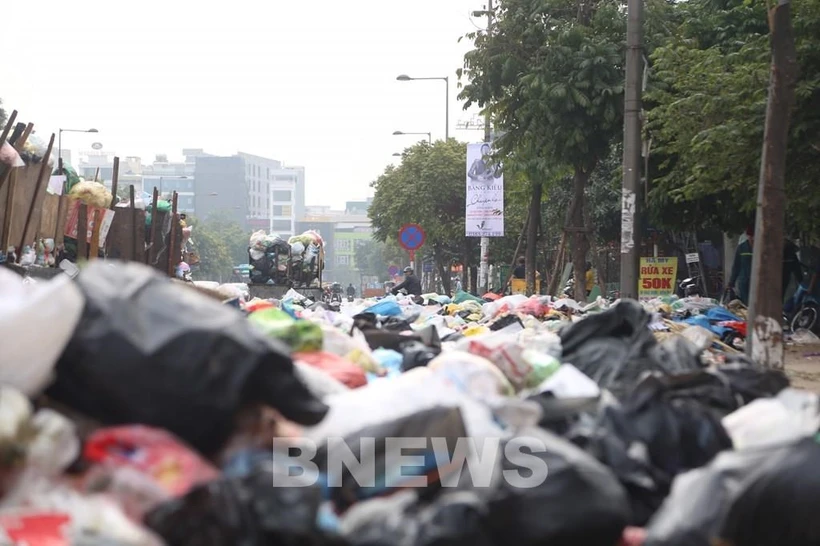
474 279
443 270
532 236
593 250
466 261
579 236
765 345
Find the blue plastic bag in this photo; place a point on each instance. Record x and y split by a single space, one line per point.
385 308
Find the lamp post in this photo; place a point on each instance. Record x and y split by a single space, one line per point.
406 78
429 135
60 147
161 178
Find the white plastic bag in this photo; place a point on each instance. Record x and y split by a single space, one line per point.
40 319
791 415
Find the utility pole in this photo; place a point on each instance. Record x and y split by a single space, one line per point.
630 204
484 266
765 344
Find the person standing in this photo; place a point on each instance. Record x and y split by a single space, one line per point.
791 266
520 271
740 280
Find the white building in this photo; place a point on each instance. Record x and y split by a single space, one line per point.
286 200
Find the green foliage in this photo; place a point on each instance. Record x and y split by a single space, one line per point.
221 243
706 110
551 75
427 188
375 257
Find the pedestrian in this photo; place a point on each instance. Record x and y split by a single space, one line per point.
740 280
520 271
791 266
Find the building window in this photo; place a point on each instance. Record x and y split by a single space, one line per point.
343 260
282 195
285 211
344 245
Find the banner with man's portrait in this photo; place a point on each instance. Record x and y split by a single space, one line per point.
484 213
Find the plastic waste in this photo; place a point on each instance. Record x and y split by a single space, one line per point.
395 467
242 510
805 337
209 367
299 335
335 366
41 511
788 417
700 500
471 374
385 308
567 382
578 501
55 446
57 303
318 382
153 452
455 518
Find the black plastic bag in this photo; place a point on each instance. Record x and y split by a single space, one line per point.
416 355
655 435
616 347
579 502
437 422
452 519
247 511
146 351
757 496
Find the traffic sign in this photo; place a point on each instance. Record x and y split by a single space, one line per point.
427 267
393 270
411 237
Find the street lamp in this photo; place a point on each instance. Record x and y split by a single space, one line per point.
406 78
175 177
397 154
429 135
60 144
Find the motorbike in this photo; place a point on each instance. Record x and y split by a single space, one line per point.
350 299
802 310
689 287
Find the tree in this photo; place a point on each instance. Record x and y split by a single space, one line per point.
706 106
221 243
427 188
3 117
550 73
375 258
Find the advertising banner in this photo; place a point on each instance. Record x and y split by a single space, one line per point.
73 220
484 213
657 277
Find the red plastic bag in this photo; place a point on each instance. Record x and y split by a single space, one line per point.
534 307
253 306
154 452
42 529
340 369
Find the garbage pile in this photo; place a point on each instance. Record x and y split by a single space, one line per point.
147 417
276 261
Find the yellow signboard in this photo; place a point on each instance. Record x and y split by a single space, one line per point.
657 277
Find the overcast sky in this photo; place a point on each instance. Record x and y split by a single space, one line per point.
310 83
